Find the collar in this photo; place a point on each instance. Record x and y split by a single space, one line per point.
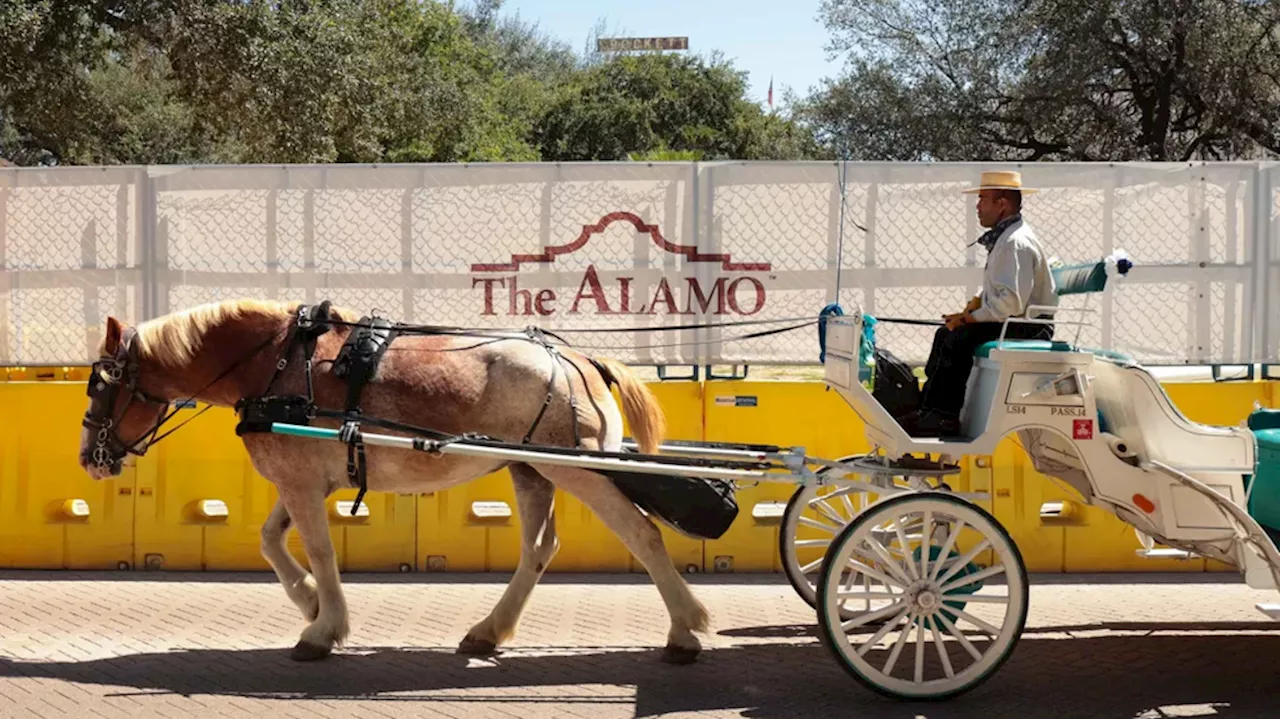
988 238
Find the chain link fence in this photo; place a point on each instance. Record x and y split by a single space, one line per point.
641 249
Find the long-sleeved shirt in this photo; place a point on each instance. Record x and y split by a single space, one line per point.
1017 275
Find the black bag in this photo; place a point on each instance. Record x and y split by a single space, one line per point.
697 507
895 387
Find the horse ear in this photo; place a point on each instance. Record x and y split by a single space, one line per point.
112 342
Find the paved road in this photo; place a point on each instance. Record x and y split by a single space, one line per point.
116 645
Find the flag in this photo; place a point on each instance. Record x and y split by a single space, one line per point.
770 91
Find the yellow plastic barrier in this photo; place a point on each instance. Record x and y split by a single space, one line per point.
781 413
201 505
52 516
196 503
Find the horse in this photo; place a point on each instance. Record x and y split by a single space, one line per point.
494 384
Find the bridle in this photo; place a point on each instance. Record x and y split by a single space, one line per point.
111 375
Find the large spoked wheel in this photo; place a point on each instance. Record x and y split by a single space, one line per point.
940 624
811 521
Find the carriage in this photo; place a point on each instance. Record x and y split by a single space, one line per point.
919 591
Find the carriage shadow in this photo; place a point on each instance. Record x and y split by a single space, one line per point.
1121 676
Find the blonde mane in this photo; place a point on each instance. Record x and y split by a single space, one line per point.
174 339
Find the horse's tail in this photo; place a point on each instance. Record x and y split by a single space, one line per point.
644 414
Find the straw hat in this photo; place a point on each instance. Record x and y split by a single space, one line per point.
999 180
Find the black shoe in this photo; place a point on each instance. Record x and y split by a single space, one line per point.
931 423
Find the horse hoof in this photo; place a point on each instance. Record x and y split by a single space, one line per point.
306 652
671 654
478 647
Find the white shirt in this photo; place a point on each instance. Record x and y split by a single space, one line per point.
1017 275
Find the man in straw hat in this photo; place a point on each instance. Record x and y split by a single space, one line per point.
1016 275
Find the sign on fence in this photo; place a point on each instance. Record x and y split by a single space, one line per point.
642 250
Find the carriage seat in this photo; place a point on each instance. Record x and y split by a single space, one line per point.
1079 279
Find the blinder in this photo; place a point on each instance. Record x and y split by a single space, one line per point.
110 376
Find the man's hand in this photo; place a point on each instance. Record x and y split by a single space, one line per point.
974 304
957 319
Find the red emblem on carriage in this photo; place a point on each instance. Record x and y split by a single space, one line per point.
1082 429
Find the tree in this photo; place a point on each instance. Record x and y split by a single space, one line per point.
1052 79
663 102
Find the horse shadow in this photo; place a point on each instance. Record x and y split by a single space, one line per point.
1120 676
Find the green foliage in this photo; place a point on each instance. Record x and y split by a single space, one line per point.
319 81
1166 80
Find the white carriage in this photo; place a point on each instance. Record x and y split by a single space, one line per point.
919 591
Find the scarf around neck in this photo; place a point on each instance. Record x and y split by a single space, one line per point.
988 238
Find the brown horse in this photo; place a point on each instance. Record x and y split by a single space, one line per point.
220 353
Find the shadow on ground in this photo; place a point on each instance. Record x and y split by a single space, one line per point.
1101 676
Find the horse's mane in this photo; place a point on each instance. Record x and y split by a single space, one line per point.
173 339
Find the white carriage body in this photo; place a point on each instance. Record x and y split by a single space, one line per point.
1099 422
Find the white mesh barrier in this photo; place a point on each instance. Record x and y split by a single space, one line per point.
636 247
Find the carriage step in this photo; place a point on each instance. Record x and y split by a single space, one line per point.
1269 609
1164 553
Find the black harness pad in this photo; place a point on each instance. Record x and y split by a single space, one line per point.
358 360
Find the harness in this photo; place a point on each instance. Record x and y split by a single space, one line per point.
357 363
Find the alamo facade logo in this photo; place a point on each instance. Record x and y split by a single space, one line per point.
734 291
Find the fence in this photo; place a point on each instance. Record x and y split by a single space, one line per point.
633 245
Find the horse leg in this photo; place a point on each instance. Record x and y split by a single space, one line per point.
535 498
305 505
642 537
298 584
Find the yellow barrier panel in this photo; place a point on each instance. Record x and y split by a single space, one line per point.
52 515
201 506
781 413
474 527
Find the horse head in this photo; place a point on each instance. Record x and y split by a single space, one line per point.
123 415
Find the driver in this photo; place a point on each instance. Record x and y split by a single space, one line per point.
1017 274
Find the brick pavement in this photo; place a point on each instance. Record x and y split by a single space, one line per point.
138 644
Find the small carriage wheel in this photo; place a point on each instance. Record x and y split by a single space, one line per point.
960 636
826 516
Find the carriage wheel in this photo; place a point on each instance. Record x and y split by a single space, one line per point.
813 518
933 633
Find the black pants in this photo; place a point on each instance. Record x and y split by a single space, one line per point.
951 360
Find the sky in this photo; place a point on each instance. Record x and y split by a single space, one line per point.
784 39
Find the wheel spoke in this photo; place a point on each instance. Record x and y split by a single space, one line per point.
942 650
813 542
897 646
968 557
888 560
876 575
825 510
980 598
850 594
829 529
946 549
884 631
848 504
975 577
975 621
811 566
920 651
925 541
873 616
955 631
906 551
